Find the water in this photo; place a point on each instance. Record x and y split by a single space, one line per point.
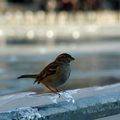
91 68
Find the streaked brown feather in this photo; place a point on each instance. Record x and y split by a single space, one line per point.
48 70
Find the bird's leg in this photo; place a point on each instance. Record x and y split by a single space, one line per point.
59 90
51 89
54 90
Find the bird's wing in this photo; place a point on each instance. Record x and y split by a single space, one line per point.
48 70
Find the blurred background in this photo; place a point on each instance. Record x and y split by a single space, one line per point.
34 32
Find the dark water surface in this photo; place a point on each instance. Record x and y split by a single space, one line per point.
89 69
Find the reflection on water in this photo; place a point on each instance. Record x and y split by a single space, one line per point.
92 69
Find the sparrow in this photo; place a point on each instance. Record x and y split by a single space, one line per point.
54 74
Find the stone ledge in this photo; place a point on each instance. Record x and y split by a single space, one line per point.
79 104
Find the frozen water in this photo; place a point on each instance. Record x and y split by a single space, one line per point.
94 100
27 114
66 96
30 99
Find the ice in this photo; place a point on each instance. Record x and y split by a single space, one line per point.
9 98
68 97
54 98
86 96
65 95
27 114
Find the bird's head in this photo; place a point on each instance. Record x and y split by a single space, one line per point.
65 58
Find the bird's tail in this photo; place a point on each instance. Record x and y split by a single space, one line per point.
27 76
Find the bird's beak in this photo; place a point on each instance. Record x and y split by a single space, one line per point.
72 58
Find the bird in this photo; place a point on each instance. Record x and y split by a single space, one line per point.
54 74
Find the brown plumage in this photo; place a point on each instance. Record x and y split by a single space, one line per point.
54 74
